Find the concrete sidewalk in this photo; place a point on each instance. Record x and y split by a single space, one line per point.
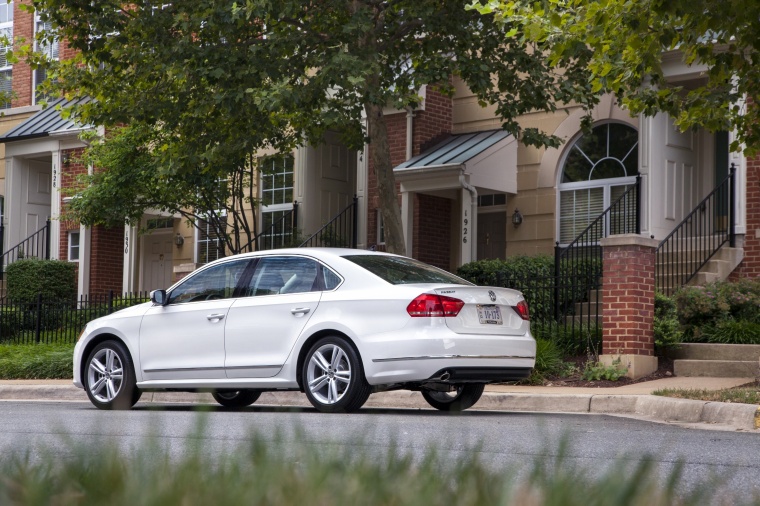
633 400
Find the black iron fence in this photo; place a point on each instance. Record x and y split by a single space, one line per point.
36 245
561 307
58 321
578 266
340 232
697 238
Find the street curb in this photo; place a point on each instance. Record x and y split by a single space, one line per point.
655 408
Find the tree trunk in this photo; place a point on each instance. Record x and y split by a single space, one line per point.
380 154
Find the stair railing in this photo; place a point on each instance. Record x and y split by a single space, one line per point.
700 235
578 266
339 232
36 245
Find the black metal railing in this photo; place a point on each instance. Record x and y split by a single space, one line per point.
698 237
282 233
58 321
578 266
36 245
339 232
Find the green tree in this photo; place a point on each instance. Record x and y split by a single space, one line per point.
134 183
218 80
631 39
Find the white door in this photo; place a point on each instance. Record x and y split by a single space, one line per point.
35 202
157 261
185 338
263 327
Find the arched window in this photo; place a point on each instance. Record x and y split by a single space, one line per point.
598 168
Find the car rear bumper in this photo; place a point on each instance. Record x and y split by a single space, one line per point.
465 357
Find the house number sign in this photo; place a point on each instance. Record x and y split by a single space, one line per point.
465 228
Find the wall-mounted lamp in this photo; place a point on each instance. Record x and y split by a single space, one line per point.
517 218
179 240
66 158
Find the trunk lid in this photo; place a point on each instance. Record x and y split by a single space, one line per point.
487 310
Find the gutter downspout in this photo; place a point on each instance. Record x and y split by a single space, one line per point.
473 214
409 132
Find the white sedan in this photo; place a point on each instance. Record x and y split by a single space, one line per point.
336 324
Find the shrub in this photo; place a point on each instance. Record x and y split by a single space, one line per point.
730 331
701 309
54 279
548 361
667 329
534 277
596 371
573 340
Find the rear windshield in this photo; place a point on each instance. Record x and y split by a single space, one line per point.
402 270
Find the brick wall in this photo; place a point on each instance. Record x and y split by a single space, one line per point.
432 230
429 126
750 266
23 26
628 300
106 259
68 174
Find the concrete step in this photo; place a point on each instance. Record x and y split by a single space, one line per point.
716 368
709 351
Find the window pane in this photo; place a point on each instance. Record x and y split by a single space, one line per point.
402 270
216 282
277 275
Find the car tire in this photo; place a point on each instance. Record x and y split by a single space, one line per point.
234 399
109 377
465 396
333 377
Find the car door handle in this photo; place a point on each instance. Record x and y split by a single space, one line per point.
217 316
300 310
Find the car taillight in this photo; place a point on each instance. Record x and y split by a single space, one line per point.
430 304
522 309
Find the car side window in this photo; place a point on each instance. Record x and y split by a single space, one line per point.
274 275
331 280
217 282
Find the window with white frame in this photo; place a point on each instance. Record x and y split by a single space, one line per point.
276 201
210 230
49 48
598 168
6 69
74 246
209 241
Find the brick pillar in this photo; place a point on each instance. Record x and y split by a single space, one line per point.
628 303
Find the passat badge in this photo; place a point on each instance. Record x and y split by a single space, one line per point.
492 295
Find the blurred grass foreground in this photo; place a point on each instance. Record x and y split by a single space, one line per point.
258 471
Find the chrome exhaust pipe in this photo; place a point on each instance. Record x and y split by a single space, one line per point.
445 376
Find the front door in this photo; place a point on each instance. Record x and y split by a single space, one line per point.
35 204
185 338
492 235
157 261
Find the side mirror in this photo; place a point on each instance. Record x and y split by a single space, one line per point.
158 297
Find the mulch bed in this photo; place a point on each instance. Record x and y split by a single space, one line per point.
664 370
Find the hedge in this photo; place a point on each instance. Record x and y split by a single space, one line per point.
54 279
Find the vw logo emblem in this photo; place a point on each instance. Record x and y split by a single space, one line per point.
492 295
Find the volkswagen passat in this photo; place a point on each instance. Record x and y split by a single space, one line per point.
336 324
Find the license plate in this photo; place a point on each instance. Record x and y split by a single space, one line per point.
489 315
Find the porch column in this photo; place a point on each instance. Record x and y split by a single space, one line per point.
85 246
55 206
466 228
628 303
130 259
407 220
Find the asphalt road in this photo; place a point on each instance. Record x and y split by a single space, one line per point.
504 440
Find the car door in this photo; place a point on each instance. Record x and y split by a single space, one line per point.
264 324
185 338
